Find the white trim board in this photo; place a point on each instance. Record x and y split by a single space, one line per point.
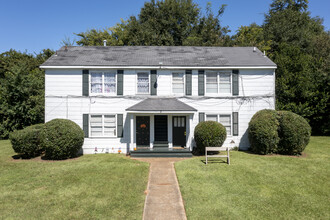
159 67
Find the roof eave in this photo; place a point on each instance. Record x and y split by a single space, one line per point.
160 67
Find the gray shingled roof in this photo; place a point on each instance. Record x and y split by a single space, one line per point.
161 104
152 55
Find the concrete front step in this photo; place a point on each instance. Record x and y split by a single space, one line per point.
161 152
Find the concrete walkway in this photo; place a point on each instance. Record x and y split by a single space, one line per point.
163 199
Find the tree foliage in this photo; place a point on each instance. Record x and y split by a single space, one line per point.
169 22
21 90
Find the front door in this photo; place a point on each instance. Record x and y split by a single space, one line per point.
161 128
142 131
179 131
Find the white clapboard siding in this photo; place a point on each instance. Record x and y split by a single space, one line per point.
63 91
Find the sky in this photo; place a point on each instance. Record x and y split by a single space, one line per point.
33 25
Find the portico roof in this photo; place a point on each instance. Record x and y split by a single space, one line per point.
161 105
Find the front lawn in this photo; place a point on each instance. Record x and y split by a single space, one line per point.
103 186
259 187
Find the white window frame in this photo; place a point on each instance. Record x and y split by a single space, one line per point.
230 72
184 83
137 82
102 136
103 90
218 120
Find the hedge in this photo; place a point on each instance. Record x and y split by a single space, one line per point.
27 142
263 132
279 132
62 139
295 133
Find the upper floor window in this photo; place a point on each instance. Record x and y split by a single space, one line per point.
143 83
103 125
224 119
103 83
218 82
178 83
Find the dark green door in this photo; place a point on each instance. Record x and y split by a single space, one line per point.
179 131
142 131
161 128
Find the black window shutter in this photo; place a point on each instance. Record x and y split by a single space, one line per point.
188 82
153 82
201 82
235 123
120 82
86 125
235 82
201 116
120 125
85 82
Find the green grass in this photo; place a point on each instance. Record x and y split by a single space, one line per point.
90 187
259 187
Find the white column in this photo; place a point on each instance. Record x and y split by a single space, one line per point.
152 130
131 132
189 132
169 131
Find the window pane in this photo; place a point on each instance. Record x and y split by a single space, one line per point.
177 83
96 77
110 120
225 84
211 82
96 120
143 83
109 77
225 119
109 82
96 131
228 130
96 82
178 88
182 122
211 118
109 131
225 88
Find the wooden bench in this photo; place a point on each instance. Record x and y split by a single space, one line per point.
208 149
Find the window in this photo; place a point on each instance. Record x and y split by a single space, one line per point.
225 120
143 83
218 82
177 83
211 118
211 82
225 82
103 125
103 83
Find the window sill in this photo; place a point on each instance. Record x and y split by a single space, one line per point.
101 137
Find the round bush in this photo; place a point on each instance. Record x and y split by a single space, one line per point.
263 132
27 142
209 134
62 139
294 133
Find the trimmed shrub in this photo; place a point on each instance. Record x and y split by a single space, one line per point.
27 142
294 133
62 139
209 133
263 132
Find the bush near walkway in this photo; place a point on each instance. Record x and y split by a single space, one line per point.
209 134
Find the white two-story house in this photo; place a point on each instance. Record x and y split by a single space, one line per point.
143 97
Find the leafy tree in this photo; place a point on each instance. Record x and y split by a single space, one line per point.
252 35
168 22
21 90
300 48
